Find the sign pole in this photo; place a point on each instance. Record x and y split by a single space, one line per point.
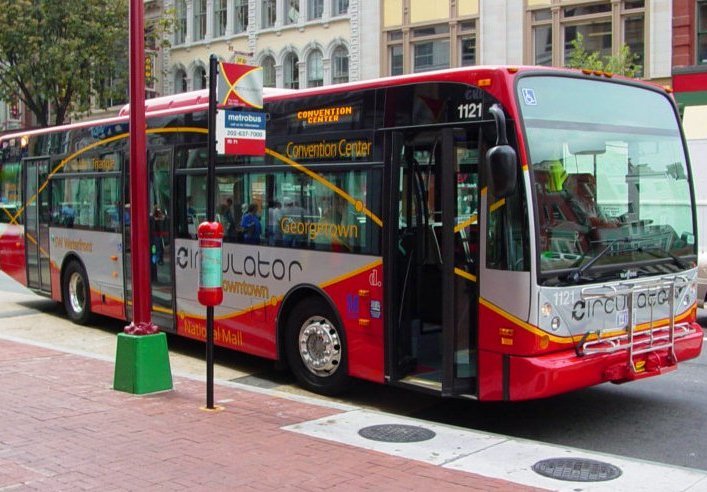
142 359
210 216
139 208
240 85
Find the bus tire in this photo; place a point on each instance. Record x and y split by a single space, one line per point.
76 293
316 348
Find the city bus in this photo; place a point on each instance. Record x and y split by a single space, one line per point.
493 233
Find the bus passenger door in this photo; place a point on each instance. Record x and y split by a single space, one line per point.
37 224
161 251
431 257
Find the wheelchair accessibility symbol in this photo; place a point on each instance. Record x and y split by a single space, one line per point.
529 97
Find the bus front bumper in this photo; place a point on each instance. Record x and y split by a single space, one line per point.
560 372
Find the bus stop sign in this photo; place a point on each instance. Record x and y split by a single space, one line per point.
239 86
240 132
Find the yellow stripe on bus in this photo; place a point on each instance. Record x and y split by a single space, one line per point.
275 300
497 205
13 219
469 276
470 221
351 274
572 339
33 240
358 204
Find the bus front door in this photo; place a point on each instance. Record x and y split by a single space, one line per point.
433 254
37 224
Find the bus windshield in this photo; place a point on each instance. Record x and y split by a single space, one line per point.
610 178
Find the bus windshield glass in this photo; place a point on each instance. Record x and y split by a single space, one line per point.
610 178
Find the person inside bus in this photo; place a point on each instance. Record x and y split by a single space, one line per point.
250 224
158 219
274 230
229 222
68 214
290 217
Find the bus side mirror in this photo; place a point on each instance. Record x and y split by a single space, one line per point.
503 164
501 159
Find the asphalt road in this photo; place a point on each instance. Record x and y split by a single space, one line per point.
661 419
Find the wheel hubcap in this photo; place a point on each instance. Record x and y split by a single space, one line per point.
320 346
77 293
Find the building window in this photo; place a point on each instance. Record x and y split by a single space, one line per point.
430 48
340 64
113 84
603 29
268 13
542 37
291 69
200 81
240 16
180 25
180 81
467 44
596 37
315 69
199 20
220 16
431 55
339 7
315 9
702 32
268 65
291 11
634 38
396 60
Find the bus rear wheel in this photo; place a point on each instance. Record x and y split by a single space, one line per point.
316 349
76 293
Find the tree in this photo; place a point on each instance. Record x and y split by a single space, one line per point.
624 63
59 54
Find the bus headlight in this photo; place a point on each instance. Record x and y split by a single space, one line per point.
555 323
546 309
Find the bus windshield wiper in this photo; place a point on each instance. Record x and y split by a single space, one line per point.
654 250
576 275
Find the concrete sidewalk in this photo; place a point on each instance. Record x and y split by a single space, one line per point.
63 427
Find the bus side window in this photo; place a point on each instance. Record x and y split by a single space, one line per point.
190 201
506 231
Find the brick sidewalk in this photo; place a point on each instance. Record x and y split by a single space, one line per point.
63 427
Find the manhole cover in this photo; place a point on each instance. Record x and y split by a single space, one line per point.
396 433
577 470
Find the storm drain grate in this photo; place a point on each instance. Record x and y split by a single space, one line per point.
396 433
577 470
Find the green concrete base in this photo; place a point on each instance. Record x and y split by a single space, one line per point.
142 364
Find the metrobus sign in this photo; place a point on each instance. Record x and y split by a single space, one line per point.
240 132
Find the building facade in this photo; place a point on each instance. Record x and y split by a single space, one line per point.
419 35
299 43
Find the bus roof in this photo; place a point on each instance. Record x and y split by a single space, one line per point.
198 100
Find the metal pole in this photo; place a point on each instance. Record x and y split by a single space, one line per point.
210 213
139 208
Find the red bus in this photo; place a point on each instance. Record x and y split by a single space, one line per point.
496 233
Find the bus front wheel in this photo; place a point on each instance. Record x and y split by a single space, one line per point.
76 293
316 349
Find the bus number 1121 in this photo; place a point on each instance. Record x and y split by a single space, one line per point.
469 111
